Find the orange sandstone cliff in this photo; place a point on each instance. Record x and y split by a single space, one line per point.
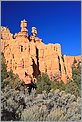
28 54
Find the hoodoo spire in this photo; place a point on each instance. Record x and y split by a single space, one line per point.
23 26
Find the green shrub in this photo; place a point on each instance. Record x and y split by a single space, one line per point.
4 73
43 83
72 88
75 85
76 74
58 85
13 81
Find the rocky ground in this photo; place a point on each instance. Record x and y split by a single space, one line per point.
54 106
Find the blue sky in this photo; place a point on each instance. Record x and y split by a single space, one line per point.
56 22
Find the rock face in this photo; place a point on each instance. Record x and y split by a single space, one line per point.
28 54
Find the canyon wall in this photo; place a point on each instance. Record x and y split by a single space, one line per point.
26 54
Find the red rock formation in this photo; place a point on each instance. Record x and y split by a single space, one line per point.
31 55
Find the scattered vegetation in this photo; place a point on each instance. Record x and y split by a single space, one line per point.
51 101
73 87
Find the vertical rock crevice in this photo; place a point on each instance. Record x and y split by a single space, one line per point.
59 64
37 57
64 63
35 66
